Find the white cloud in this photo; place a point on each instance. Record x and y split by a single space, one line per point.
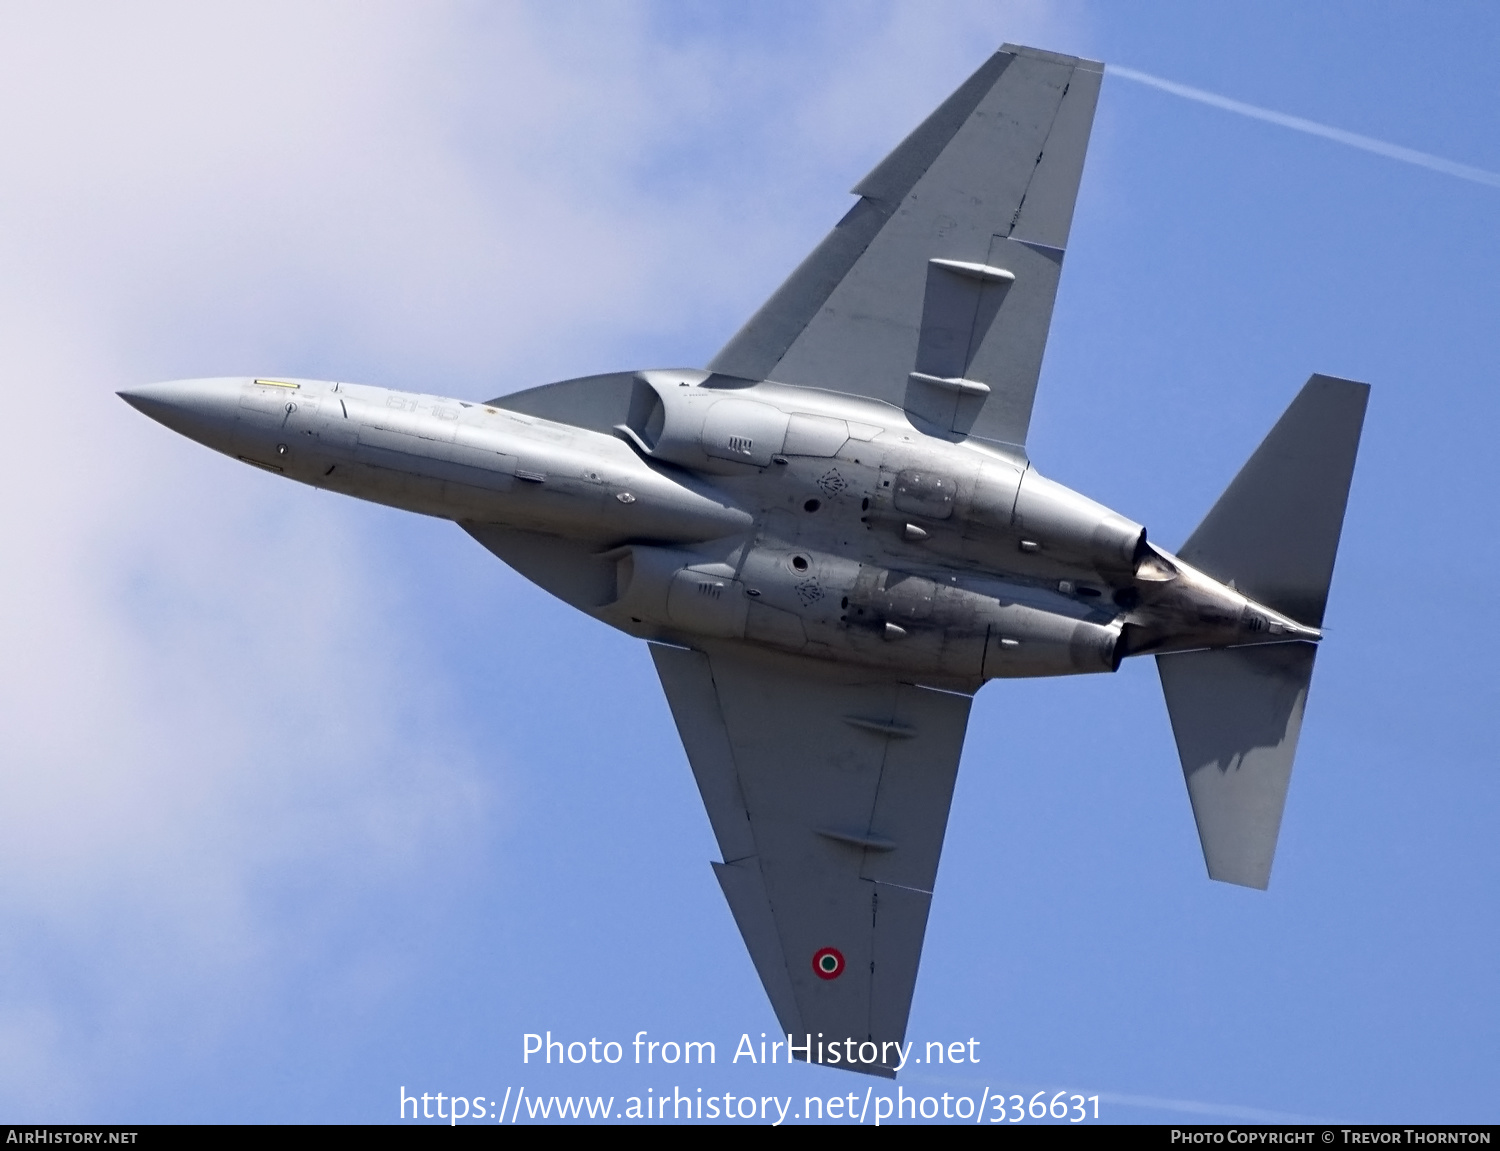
203 688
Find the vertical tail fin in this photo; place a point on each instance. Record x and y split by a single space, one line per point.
1237 712
1275 530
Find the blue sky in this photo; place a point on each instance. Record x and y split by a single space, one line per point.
303 800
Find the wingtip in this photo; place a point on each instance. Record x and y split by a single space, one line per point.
1052 57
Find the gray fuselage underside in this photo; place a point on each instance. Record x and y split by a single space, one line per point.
721 511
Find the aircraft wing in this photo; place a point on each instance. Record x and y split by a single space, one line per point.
935 292
828 789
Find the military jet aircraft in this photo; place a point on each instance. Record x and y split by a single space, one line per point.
832 536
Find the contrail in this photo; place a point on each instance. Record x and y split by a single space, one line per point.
1313 128
1151 1102
1193 1107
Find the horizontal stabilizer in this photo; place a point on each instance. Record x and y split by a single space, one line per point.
1275 530
1236 713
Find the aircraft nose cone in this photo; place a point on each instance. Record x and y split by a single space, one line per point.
202 410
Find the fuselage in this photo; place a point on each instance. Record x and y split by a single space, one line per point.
790 518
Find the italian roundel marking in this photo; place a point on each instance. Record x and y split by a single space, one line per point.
828 963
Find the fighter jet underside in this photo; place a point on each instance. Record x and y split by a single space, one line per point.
832 537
